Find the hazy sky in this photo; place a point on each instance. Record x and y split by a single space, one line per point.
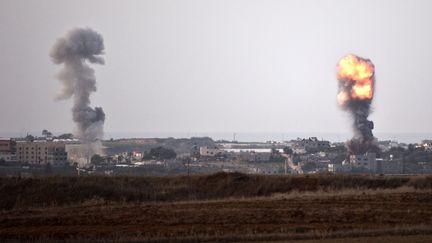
219 66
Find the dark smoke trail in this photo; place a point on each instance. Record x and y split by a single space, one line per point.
356 77
78 79
363 140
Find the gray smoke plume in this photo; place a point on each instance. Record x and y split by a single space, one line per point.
355 73
363 140
78 80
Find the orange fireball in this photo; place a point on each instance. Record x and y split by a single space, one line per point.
356 76
342 98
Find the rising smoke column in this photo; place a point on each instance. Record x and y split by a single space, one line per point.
356 77
74 50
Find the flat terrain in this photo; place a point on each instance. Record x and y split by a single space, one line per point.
401 214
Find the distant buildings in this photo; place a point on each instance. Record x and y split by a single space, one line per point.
311 142
427 144
252 156
389 166
41 152
7 145
246 155
208 151
307 156
386 145
7 150
8 157
195 151
137 155
33 151
267 170
363 161
300 146
335 168
78 153
368 163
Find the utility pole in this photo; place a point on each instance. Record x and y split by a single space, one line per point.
188 171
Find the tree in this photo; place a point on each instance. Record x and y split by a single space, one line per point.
411 147
287 150
160 153
46 133
311 150
309 166
65 136
97 159
30 138
274 151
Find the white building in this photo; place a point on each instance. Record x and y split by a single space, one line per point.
364 161
269 170
76 153
427 144
137 155
368 163
312 142
299 150
8 157
41 152
252 156
208 151
389 166
8 150
334 168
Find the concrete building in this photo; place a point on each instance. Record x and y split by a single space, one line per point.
136 155
361 162
389 166
336 168
41 152
8 157
388 144
195 151
368 163
252 156
7 150
375 165
7 146
208 151
311 142
299 150
427 144
78 153
269 170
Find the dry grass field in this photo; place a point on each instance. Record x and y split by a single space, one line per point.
217 208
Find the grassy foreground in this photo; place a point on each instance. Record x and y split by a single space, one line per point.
216 208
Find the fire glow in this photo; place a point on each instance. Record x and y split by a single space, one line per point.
357 77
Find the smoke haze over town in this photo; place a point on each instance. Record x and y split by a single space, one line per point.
220 66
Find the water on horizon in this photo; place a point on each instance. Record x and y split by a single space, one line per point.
251 136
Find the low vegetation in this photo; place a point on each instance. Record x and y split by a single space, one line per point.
43 191
222 207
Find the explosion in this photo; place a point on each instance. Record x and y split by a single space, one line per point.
356 77
74 51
